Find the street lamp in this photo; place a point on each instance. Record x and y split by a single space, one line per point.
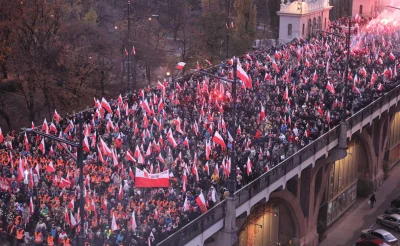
232 175
79 163
227 30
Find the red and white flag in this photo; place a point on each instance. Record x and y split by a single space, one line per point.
133 222
218 140
85 146
50 168
201 201
114 225
106 105
180 65
31 207
242 75
2 137
42 146
72 219
330 87
248 166
145 180
45 127
56 116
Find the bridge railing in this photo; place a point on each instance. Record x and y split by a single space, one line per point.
197 226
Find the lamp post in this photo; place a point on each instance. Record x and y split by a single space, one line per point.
129 87
232 175
79 163
227 30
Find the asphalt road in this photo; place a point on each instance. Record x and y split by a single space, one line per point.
347 230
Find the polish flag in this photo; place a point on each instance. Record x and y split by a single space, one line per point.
218 140
56 116
380 87
2 137
145 105
248 166
208 62
31 208
184 180
114 224
72 219
171 139
143 179
45 127
374 77
276 67
330 87
262 114
20 170
160 158
180 65
242 75
100 155
104 205
286 94
120 193
315 77
216 170
307 63
86 145
129 157
64 183
105 149
50 168
208 150
106 105
41 146
133 222
195 172
160 86
201 202
207 168
267 76
186 142
392 56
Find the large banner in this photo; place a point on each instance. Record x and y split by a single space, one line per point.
144 179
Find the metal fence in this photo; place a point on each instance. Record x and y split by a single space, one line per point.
197 226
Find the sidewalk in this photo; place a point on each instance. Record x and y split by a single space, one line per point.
347 229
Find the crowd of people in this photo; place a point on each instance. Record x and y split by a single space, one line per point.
295 93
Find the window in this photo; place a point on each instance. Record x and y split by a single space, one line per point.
302 31
325 24
309 27
289 30
361 9
319 23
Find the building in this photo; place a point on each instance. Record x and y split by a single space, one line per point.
367 8
302 18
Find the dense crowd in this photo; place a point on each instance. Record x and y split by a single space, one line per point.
296 92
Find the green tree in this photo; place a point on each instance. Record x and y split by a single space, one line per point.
245 25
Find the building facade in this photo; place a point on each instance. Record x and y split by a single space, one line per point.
302 18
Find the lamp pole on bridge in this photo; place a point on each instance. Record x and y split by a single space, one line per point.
232 175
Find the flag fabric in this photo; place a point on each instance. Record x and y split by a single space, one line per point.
72 219
31 207
133 222
201 201
2 137
147 180
242 75
180 65
114 226
218 140
106 105
56 116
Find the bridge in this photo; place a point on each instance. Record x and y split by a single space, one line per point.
350 160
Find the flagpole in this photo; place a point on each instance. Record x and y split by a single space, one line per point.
80 164
227 30
232 175
344 116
